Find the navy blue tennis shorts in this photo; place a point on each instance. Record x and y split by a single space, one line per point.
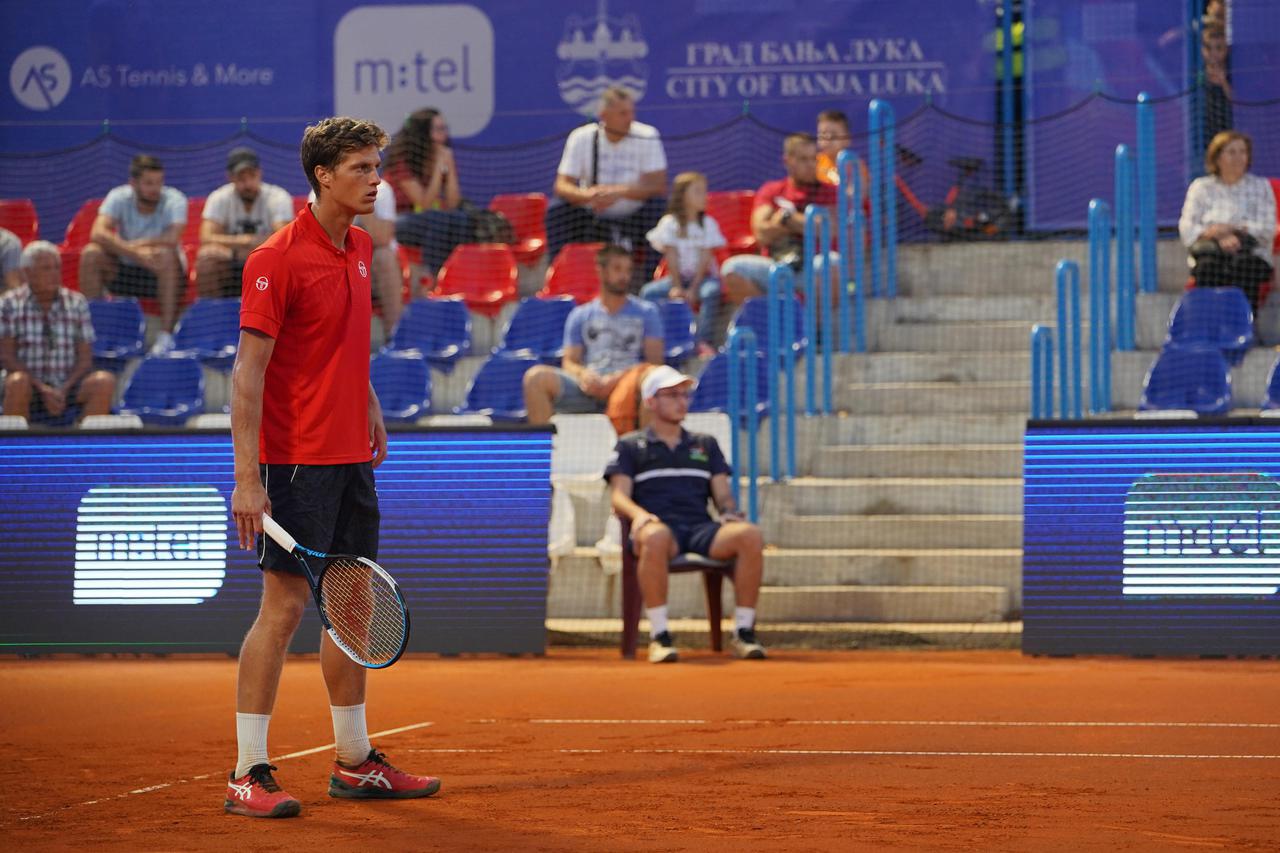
329 508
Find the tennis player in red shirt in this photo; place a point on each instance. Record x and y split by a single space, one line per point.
308 432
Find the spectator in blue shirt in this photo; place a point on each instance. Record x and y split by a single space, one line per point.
661 479
134 247
604 340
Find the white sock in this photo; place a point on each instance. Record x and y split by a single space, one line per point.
657 619
744 617
350 734
251 741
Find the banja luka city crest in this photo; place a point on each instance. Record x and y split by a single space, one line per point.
596 53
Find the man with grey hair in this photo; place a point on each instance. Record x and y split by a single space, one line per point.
610 181
46 346
10 257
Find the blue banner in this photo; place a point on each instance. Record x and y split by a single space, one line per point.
503 71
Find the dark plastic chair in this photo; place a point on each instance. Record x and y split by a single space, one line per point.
119 331
677 330
1219 317
713 574
1191 377
536 329
754 315
498 389
402 381
210 330
1272 401
437 329
712 393
165 390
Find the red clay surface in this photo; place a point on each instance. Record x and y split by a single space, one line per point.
808 751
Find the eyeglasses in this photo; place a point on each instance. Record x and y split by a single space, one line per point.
673 394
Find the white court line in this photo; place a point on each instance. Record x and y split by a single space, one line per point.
149 788
869 752
973 723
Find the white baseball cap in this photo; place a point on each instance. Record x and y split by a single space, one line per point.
664 376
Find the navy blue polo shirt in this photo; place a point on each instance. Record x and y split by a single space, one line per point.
673 484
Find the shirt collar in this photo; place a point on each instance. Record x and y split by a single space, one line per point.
653 437
313 230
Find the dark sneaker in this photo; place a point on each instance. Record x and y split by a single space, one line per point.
662 649
256 794
745 645
376 779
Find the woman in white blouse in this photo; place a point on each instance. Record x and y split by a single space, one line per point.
1228 220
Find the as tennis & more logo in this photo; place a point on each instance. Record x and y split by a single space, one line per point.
40 78
1214 534
150 545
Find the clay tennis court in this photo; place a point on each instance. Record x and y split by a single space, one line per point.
580 751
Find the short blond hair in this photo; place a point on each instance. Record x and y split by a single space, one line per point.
1222 140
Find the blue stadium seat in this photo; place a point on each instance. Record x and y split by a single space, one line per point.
1193 377
712 393
210 331
1219 317
165 390
754 315
677 330
497 390
119 332
438 329
402 381
536 329
1272 401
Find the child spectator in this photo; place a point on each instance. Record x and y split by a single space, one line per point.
688 238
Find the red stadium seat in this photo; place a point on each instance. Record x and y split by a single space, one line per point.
1275 188
713 574
78 231
19 216
195 214
573 273
731 209
483 274
527 213
299 202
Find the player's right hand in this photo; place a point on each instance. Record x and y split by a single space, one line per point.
248 502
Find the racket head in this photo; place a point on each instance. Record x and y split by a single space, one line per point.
364 611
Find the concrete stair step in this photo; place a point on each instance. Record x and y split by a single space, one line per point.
892 566
692 635
886 603
889 398
934 367
991 336
921 460
1041 308
1004 427
895 495
897 531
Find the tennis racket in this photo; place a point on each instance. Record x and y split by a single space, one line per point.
360 604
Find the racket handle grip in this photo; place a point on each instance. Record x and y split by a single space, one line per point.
277 533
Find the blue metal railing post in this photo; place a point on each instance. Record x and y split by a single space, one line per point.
889 165
1125 284
1041 372
742 354
851 226
1147 191
1099 306
875 164
789 369
781 286
1006 93
1067 275
817 288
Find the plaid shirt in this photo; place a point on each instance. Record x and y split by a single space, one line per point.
46 342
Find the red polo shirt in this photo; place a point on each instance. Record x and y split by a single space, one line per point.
314 299
801 195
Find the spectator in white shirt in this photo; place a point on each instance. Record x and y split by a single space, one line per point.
1228 219
237 217
610 181
688 238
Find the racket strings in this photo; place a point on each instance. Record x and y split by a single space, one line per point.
363 609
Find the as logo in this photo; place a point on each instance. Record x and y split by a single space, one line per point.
40 78
364 272
261 283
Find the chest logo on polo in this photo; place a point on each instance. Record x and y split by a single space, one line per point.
262 283
697 454
364 272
